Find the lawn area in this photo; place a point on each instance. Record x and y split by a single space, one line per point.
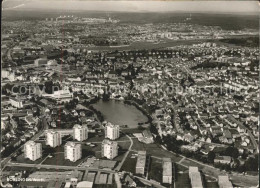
124 145
119 157
154 150
58 159
179 168
123 137
211 185
131 131
47 149
21 159
182 180
130 163
155 170
121 154
94 138
96 148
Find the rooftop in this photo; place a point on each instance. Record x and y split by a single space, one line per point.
141 159
167 167
223 181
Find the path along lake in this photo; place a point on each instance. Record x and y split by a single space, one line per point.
119 113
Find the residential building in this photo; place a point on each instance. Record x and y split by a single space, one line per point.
109 149
53 138
167 170
32 150
72 151
80 133
140 164
62 96
40 61
222 159
16 102
112 131
63 132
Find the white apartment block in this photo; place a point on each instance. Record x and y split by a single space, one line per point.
72 151
80 133
109 149
32 150
112 131
53 138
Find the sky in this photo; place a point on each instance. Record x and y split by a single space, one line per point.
136 6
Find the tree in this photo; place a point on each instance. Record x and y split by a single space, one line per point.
235 153
48 87
232 152
211 156
251 164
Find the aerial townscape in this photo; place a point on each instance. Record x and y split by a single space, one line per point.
122 99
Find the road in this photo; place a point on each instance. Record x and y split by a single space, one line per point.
59 167
126 154
149 182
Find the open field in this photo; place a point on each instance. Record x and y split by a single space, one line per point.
95 138
131 131
211 185
58 159
21 159
155 170
154 150
124 145
182 180
129 164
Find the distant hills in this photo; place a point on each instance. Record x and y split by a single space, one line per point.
225 21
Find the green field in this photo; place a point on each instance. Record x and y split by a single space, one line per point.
182 181
154 150
129 164
21 159
58 159
155 170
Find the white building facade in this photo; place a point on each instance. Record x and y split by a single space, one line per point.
109 149
53 138
72 151
80 133
112 131
32 150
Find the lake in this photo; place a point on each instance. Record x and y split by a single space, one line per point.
119 113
